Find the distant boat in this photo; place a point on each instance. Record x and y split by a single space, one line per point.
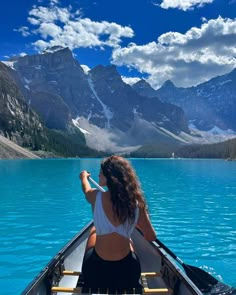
173 156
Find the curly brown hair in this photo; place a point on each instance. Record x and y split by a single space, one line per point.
124 187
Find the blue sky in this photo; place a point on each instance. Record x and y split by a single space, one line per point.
186 41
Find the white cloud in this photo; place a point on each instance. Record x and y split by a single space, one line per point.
184 4
85 68
49 30
130 80
23 30
205 52
51 14
52 2
22 54
62 26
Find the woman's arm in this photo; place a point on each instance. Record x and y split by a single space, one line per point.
90 193
144 224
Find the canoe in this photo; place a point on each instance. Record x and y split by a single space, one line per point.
160 273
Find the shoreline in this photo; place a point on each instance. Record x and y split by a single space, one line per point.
11 150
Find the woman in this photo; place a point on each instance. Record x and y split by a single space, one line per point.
110 261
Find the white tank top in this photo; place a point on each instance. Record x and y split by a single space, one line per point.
104 226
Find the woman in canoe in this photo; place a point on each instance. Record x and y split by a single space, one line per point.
110 260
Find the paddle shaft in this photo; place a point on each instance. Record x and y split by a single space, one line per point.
96 184
169 251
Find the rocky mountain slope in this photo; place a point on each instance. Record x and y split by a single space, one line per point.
10 150
17 120
55 85
25 127
208 105
104 112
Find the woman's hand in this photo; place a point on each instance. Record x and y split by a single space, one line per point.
84 174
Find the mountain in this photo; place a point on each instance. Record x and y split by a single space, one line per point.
98 110
24 126
54 84
143 88
207 105
220 150
18 121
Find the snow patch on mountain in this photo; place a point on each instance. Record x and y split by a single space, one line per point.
179 138
213 135
27 81
9 64
85 68
224 82
217 131
108 114
53 49
76 124
39 67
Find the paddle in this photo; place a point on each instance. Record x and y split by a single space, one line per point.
202 279
96 184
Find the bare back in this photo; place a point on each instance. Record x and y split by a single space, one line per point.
119 244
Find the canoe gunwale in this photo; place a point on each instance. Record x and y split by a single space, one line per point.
57 259
54 269
168 260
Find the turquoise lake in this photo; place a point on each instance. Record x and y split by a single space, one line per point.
192 205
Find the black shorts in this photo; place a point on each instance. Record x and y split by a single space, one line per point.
100 273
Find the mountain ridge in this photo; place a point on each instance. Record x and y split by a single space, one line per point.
110 114
55 85
209 104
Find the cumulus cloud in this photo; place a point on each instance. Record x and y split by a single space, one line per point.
184 4
23 30
61 26
22 54
54 2
130 80
186 59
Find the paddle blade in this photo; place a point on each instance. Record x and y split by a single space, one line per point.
203 280
206 282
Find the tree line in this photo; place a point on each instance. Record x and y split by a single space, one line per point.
221 150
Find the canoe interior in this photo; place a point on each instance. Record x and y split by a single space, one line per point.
152 259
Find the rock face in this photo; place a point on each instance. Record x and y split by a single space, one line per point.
25 127
207 105
121 104
17 120
55 85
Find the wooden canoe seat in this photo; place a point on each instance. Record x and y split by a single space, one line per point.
144 276
147 290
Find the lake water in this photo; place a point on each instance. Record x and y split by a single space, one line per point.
191 202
